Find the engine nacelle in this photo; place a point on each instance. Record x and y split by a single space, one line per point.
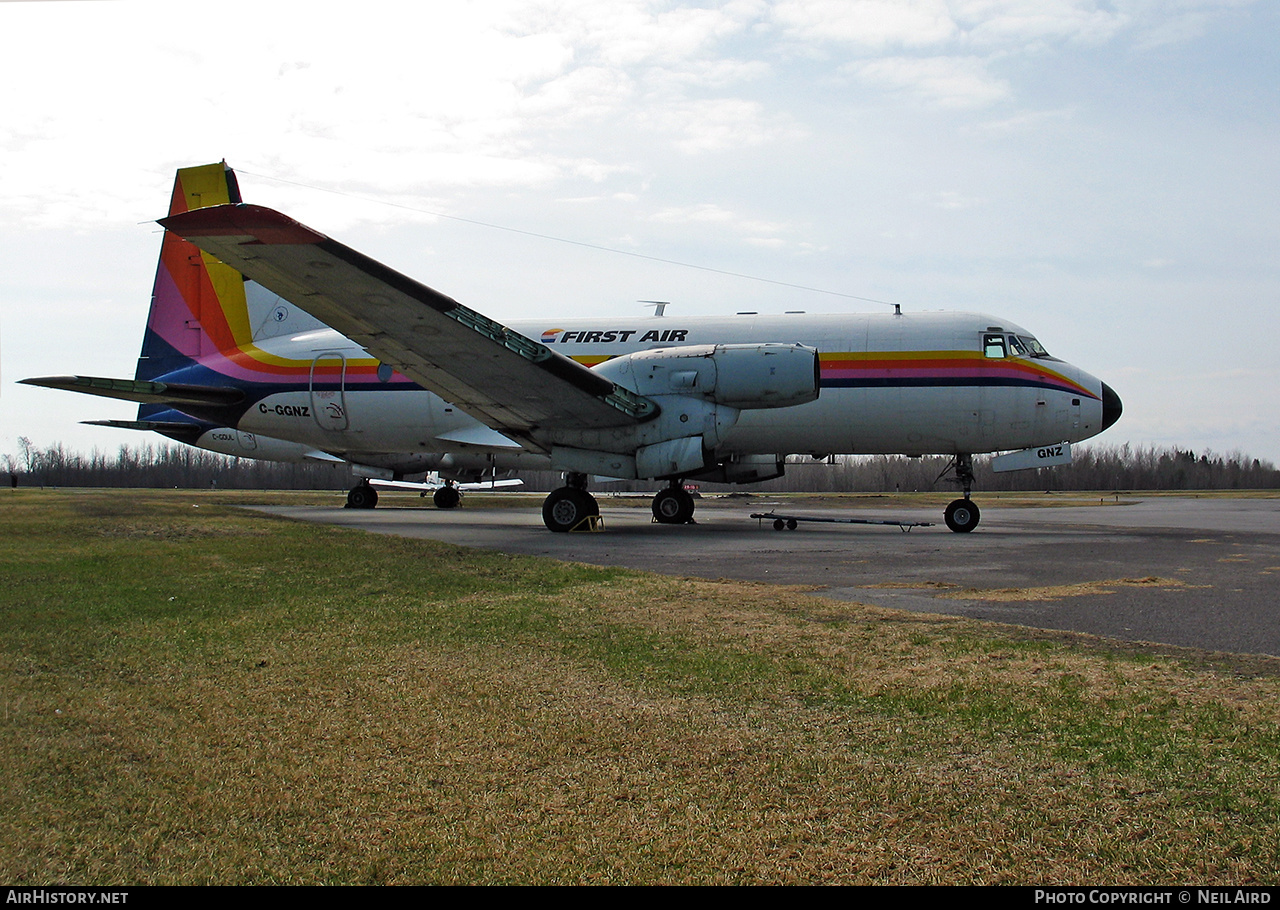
700 391
743 376
744 469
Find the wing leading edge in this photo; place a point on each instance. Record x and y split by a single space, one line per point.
512 383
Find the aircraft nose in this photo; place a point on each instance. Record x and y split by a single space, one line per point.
1111 406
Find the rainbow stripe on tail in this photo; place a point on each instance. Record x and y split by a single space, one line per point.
192 291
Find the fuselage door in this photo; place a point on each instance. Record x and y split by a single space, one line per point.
328 390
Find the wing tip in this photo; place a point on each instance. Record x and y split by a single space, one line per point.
264 225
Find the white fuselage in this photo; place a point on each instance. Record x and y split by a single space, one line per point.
913 384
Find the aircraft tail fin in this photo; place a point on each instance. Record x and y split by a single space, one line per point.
200 306
195 299
205 316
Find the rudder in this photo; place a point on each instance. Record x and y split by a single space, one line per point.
196 299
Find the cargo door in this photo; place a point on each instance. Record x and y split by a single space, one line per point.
328 391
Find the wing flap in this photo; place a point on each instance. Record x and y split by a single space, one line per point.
511 383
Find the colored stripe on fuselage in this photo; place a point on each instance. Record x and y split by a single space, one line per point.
940 368
919 369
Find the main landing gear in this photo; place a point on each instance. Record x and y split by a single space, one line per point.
570 506
673 506
963 514
362 496
446 497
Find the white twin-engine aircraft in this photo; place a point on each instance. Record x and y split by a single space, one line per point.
267 339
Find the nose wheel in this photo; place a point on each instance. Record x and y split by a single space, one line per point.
962 516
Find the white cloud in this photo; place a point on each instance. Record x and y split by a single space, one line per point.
580 95
949 82
954 201
868 24
1161 22
1028 121
698 126
627 33
880 25
435 100
430 97
1008 24
760 232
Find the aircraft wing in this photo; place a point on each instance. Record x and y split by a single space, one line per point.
509 382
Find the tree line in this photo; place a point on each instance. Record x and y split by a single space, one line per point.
1111 468
166 465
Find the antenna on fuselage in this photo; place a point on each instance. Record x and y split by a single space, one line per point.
659 306
897 309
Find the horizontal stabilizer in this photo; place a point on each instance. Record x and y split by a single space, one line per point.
141 390
188 432
428 486
155 426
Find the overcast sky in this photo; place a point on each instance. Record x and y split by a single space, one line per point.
1106 175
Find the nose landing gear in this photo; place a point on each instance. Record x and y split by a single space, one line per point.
962 515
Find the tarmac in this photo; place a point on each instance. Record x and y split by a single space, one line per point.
1192 572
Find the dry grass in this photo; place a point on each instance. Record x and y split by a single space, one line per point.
1058 592
229 698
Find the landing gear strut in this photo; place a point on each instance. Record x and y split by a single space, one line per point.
570 505
362 496
963 514
673 506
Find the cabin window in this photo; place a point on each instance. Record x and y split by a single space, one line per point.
1035 347
993 345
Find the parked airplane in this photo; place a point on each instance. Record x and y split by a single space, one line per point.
446 494
267 339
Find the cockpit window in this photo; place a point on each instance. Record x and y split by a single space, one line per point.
993 345
1015 347
1035 348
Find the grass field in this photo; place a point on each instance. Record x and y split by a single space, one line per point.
197 694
